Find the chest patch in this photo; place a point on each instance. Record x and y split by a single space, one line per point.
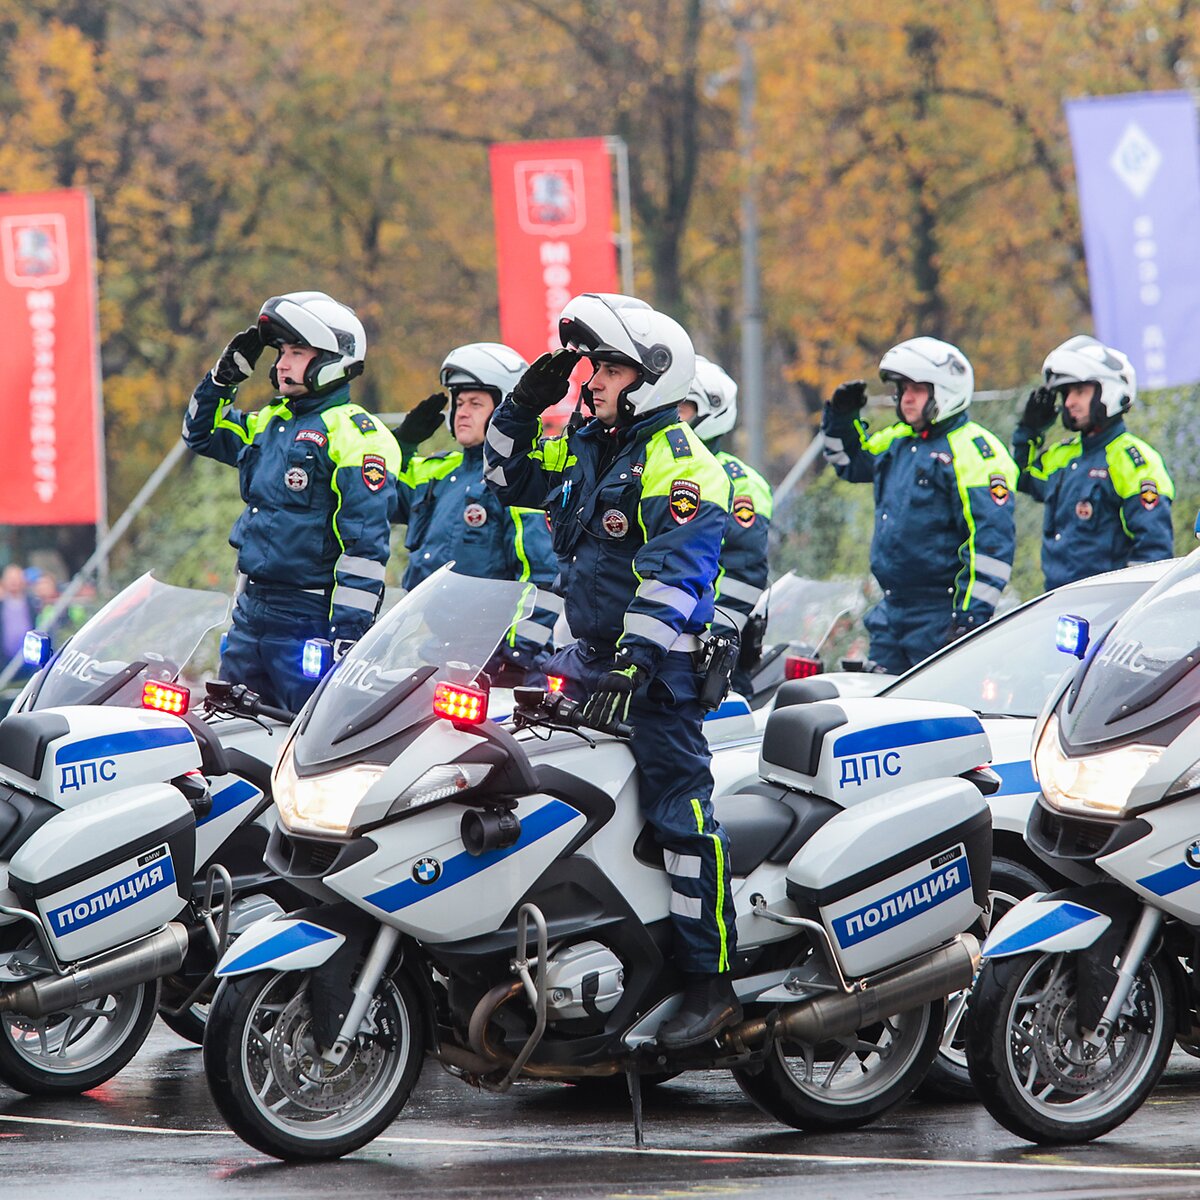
1149 493
615 523
374 472
295 479
941 456
1135 456
984 447
743 511
475 515
1083 510
684 500
1098 473
312 435
637 468
998 487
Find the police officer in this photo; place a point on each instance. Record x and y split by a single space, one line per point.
319 480
638 507
451 513
1107 493
711 409
944 533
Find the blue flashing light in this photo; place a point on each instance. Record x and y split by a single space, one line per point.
36 649
317 659
1071 636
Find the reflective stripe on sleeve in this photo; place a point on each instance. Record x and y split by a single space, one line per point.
500 442
664 593
354 564
993 566
650 628
350 597
986 594
735 589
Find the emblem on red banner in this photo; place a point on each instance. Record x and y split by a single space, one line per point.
550 196
35 250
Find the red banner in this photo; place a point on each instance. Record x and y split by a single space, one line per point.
49 401
554 234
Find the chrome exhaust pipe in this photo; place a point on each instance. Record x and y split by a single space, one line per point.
160 954
931 977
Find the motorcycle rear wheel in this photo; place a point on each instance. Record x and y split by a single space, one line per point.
1039 1081
847 1082
270 1084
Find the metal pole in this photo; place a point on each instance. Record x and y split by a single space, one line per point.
752 317
101 457
620 152
799 469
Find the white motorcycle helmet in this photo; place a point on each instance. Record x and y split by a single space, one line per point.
714 394
481 366
1083 359
929 360
621 329
317 320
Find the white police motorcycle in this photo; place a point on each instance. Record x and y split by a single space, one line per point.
1083 991
486 893
123 832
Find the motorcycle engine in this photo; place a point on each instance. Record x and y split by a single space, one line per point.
583 980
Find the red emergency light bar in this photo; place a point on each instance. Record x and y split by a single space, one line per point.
166 697
461 704
800 666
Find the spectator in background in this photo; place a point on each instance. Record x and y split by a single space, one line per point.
18 611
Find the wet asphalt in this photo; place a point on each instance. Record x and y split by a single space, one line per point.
152 1131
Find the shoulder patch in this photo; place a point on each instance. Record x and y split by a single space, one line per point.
733 468
743 511
984 447
374 471
312 435
684 500
1136 456
364 423
1148 490
677 440
998 486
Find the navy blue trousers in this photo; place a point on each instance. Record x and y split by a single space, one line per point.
905 631
675 792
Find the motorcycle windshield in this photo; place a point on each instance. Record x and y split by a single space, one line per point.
1144 672
150 622
450 627
808 613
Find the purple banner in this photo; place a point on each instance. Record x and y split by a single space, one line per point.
1137 161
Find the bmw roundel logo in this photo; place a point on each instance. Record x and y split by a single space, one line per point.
427 870
1192 854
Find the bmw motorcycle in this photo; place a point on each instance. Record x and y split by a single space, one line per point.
130 841
1083 991
485 892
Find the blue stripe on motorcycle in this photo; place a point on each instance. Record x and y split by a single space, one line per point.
228 799
464 866
907 733
1059 920
729 708
122 743
1016 778
1171 879
296 937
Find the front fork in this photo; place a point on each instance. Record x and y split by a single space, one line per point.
363 991
1127 967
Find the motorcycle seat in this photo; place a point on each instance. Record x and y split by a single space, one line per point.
21 816
793 737
24 738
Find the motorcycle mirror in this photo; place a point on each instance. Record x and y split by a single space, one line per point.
36 649
1071 635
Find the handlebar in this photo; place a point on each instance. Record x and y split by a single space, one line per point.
553 708
238 700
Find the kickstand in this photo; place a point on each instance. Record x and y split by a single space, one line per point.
634 1079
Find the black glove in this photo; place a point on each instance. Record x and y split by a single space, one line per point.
544 384
238 359
422 421
608 705
848 398
1040 410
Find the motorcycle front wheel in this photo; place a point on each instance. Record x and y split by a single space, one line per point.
1033 1071
847 1082
271 1085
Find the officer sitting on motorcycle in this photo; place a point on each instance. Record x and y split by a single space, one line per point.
944 530
1107 493
638 508
710 408
319 480
451 513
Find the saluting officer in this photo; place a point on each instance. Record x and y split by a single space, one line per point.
451 513
710 408
319 480
944 530
638 507
1107 493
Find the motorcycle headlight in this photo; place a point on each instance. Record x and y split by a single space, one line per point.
1096 785
321 804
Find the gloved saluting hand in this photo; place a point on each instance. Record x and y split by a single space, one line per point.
422 421
544 384
849 397
1040 410
238 359
608 705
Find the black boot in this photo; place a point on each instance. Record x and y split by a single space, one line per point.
709 1005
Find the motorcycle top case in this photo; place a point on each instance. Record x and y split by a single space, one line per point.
71 755
897 875
108 870
849 750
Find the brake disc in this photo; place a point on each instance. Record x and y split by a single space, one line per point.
1066 1060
